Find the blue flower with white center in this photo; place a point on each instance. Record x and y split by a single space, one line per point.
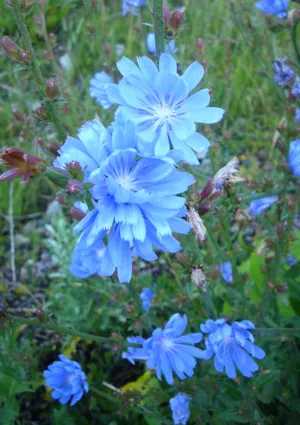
67 379
129 6
232 346
158 102
296 88
294 157
257 206
98 89
145 297
86 149
136 203
168 351
180 406
283 73
226 272
274 7
151 46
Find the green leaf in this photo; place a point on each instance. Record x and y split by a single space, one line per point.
10 385
233 415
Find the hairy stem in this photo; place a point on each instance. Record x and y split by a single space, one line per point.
159 28
36 69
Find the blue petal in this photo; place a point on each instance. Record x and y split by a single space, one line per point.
193 75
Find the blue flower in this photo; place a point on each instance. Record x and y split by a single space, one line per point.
168 351
296 88
294 157
145 297
290 260
67 379
87 259
257 206
180 406
297 114
129 6
98 89
274 7
226 272
157 102
283 73
232 346
151 46
86 149
135 203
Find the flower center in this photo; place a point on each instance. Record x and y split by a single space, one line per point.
125 182
167 344
164 113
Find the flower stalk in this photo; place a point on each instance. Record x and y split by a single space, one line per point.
159 28
36 69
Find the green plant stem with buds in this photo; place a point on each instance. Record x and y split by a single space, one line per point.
159 27
36 69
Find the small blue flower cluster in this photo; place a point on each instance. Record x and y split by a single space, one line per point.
146 296
129 6
131 167
226 272
274 7
170 352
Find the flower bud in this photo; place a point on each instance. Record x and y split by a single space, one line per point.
18 115
52 89
107 49
22 164
176 20
13 50
74 187
52 147
204 208
91 29
166 13
200 44
77 213
41 112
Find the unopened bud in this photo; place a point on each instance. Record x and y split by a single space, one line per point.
40 315
52 89
166 12
77 213
41 112
281 288
18 115
280 230
199 278
74 187
176 20
200 44
204 208
107 49
9 46
291 204
53 147
26 3
61 199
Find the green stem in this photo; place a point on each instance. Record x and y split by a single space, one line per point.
294 39
159 27
58 328
36 69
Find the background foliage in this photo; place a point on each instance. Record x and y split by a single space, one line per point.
238 56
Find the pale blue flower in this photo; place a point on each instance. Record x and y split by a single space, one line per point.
226 272
274 7
168 351
135 203
158 102
87 259
291 260
151 46
180 406
296 88
232 346
145 297
98 89
297 114
86 149
257 206
283 73
294 157
67 379
129 6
